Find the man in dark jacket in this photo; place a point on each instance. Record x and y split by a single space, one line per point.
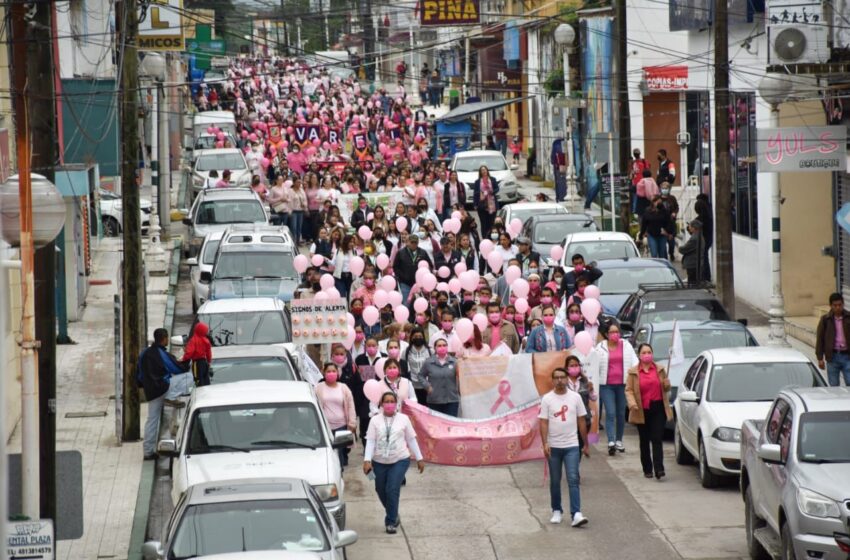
361 214
832 344
447 257
589 271
406 263
705 214
163 379
525 254
692 253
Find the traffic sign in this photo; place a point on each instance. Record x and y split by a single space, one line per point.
30 540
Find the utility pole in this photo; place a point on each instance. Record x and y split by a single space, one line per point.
624 115
368 57
133 333
723 164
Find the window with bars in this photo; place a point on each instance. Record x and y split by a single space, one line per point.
742 146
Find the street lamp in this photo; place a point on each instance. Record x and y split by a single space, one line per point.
774 89
565 35
48 211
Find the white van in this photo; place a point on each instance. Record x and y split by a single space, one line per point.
225 120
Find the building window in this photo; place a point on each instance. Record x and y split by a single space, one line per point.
742 145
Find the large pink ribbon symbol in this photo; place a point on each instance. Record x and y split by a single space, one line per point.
504 392
562 413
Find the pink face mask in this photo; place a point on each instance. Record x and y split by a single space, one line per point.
646 359
371 350
579 268
393 353
392 373
484 300
389 408
442 351
359 337
614 337
580 290
447 326
368 282
468 298
512 299
546 300
331 377
420 319
433 302
548 320
338 359
574 371
495 318
575 317
534 284
509 316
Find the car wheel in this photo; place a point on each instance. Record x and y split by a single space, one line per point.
787 543
706 477
751 523
683 456
111 228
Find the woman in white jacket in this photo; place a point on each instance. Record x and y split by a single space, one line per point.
614 357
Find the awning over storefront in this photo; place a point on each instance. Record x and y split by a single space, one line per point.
467 110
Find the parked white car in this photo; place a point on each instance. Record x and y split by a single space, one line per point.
723 388
200 265
112 216
220 159
262 320
596 246
467 164
217 209
255 430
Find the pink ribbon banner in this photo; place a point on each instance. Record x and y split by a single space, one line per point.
511 437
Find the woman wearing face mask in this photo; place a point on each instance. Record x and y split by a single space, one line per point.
415 357
549 336
390 441
394 382
439 377
393 346
366 370
505 247
647 387
337 404
581 285
341 260
468 254
484 192
615 357
655 228
671 205
359 346
535 292
578 382
423 321
574 322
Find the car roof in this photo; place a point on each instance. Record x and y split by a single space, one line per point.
823 399
214 236
257 391
265 555
229 193
598 236
671 293
217 151
667 326
239 490
539 206
206 116
637 262
249 351
477 153
241 305
755 355
559 217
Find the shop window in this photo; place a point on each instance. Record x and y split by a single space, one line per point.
742 145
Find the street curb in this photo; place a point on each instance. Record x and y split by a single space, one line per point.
173 275
140 517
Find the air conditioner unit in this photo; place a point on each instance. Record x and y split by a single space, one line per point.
797 44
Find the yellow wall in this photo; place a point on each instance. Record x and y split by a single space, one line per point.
807 224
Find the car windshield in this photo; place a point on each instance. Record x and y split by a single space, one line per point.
696 340
230 160
598 250
250 427
248 327
255 265
683 310
628 280
230 370
824 437
231 212
470 164
205 143
759 381
223 527
555 232
209 251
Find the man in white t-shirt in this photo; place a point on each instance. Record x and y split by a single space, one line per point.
560 411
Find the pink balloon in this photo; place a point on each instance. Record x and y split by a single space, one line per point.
317 260
356 266
373 390
420 274
349 338
395 298
456 215
520 287
583 342
495 260
512 273
429 282
460 268
401 314
332 293
350 318
383 261
521 305
301 262
515 226
454 286
379 367
380 299
556 252
326 281
422 264
371 315
469 280
442 286
480 321
591 292
321 296
464 329
365 233
387 282
420 305
486 248
591 308
444 272
455 345
401 223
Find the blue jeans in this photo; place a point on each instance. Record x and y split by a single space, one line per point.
501 145
405 292
181 384
296 222
614 400
840 364
657 246
569 457
388 480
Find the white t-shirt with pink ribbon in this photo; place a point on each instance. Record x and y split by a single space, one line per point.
562 412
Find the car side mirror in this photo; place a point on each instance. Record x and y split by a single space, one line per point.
343 438
206 277
187 221
192 261
345 538
152 550
178 340
167 447
688 396
770 453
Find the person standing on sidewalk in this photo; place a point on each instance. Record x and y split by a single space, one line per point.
831 346
199 351
562 419
500 133
163 379
693 252
647 387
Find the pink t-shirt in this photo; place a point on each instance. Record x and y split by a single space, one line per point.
650 386
840 342
615 365
333 405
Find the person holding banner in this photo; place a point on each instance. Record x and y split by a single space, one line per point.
390 440
562 423
439 377
616 357
647 388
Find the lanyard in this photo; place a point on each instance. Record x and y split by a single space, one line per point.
389 427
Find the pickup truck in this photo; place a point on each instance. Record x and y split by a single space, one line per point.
795 475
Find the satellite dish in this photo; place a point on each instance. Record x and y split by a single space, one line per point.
790 44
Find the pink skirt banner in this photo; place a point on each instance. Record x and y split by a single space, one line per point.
511 437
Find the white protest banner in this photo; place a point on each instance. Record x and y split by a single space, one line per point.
348 203
317 321
490 386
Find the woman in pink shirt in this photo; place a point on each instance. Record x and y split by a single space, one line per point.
337 405
647 387
616 357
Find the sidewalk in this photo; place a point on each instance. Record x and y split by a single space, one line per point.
85 387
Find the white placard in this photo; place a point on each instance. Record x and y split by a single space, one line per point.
319 321
32 540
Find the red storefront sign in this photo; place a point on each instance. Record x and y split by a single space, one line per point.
666 78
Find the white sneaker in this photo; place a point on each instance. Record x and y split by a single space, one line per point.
579 520
557 517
